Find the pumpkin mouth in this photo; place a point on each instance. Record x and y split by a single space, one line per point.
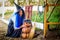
26 29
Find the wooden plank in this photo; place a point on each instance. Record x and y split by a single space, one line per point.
53 4
53 23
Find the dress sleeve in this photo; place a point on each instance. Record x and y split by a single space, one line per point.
14 21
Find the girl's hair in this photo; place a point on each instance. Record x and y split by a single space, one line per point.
23 15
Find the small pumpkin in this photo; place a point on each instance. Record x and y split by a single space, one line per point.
24 35
26 29
27 35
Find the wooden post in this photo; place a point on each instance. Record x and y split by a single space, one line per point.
28 10
45 20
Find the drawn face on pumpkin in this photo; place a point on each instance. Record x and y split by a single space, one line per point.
27 24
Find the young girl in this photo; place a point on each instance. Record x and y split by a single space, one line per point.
15 23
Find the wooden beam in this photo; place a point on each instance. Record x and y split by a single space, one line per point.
53 23
53 4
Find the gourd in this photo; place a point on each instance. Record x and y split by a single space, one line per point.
24 35
26 29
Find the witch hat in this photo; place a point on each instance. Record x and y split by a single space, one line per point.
17 6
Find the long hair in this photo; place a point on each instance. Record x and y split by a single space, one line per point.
23 13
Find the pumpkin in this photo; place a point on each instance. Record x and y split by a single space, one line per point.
27 35
26 29
24 35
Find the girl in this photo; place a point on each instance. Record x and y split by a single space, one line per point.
15 23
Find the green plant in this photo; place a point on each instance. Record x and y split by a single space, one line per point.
55 15
36 17
0 15
8 14
11 1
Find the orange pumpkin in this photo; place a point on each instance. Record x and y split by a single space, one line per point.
26 29
24 35
27 35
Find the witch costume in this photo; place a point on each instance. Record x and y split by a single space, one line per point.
15 23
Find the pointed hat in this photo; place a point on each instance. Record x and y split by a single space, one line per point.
17 6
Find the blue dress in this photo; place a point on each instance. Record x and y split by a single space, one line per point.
14 24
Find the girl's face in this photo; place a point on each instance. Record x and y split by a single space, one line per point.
20 13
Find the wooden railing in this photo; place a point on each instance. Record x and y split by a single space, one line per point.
45 18
53 23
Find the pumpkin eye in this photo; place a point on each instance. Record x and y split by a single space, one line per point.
28 26
26 23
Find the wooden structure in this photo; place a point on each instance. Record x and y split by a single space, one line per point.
28 10
46 23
